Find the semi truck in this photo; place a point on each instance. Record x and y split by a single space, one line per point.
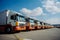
11 21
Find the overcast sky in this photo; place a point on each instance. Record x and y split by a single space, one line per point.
43 10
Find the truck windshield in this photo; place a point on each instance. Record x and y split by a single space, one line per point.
13 17
38 23
20 19
41 23
31 21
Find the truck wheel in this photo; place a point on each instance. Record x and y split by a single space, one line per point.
8 30
35 28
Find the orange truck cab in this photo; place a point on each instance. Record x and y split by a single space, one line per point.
30 24
21 23
45 26
36 24
42 25
39 25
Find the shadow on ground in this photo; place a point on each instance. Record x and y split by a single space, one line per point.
20 31
13 32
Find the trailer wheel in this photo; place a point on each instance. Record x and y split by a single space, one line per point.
8 30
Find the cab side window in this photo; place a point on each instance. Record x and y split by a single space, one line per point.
13 17
41 23
32 21
22 19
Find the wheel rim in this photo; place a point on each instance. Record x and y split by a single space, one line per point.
8 29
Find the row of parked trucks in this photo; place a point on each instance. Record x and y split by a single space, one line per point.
11 21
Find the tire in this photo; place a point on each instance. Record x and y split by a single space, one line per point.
35 28
8 30
27 28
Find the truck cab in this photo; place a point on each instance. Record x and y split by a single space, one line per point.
19 22
32 24
12 21
29 24
36 25
39 25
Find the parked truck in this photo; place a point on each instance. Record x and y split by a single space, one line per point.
11 21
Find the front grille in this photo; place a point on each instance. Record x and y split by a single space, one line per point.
21 24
